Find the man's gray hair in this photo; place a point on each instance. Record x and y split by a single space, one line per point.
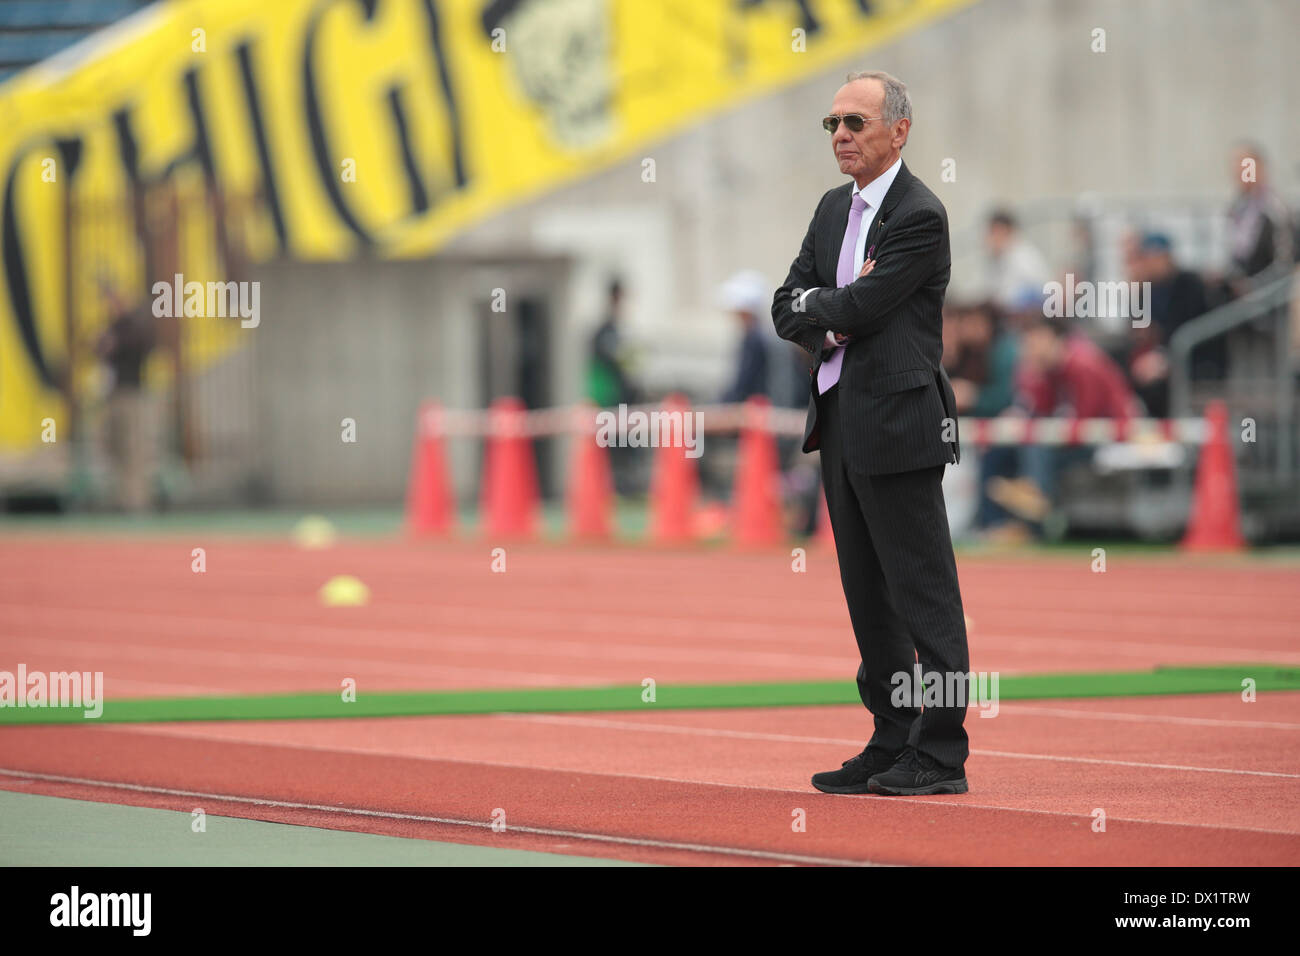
898 105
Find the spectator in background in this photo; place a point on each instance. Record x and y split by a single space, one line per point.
607 379
608 384
1065 374
1013 265
1130 253
1026 309
123 348
1177 296
983 382
1061 375
1084 244
745 295
1259 224
951 335
1295 329
989 387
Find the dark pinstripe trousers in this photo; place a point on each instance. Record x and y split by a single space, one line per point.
900 581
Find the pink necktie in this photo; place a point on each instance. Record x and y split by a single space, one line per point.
829 373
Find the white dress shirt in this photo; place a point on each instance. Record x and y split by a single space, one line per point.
874 195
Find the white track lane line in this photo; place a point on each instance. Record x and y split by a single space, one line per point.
723 629
803 791
400 638
759 735
449 821
1221 656
1034 710
242 661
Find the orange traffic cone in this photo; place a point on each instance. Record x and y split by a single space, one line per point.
756 501
674 488
429 499
1215 521
510 503
591 483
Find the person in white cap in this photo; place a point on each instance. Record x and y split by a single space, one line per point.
745 295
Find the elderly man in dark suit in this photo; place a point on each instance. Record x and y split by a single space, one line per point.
864 298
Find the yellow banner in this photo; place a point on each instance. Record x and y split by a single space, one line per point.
376 127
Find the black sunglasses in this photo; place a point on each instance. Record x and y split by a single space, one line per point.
853 121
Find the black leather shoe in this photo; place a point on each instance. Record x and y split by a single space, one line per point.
856 772
917 775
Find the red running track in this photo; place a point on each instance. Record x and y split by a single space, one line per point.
1188 781
1206 780
567 616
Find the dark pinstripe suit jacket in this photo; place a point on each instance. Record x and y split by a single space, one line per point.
895 399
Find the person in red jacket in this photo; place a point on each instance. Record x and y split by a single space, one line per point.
1064 374
1061 374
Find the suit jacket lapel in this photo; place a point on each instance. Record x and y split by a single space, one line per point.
897 188
837 220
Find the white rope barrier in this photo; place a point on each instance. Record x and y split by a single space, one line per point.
1007 430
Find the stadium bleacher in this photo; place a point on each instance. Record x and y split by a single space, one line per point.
31 30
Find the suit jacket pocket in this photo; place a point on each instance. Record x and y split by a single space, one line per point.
896 430
900 381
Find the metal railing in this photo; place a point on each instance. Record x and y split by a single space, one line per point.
1268 304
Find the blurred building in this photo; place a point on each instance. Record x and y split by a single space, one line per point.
437 218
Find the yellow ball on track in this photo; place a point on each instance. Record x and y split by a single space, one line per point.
344 591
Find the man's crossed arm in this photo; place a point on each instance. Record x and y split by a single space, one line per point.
865 305
836 338
791 324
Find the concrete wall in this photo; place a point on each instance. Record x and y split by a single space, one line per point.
370 341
